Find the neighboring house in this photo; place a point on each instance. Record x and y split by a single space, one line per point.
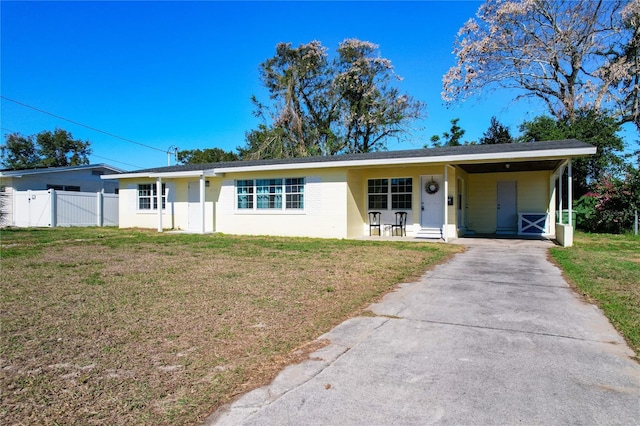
447 192
85 178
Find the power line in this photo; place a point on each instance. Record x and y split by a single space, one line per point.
82 125
115 161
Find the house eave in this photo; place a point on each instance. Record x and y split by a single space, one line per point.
507 155
448 159
64 169
168 175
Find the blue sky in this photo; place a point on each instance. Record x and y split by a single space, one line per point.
182 73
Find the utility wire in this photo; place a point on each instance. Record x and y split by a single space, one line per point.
83 125
116 161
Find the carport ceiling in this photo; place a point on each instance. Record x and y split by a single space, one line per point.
508 166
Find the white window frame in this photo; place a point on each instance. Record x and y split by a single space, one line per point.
153 197
269 195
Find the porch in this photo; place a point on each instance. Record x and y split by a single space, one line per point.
516 199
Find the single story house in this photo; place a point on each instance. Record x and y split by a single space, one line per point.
84 178
446 192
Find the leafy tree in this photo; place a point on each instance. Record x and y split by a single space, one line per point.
451 138
303 110
588 126
569 54
58 149
496 134
207 155
46 149
328 107
19 152
264 143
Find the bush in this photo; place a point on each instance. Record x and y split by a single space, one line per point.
610 206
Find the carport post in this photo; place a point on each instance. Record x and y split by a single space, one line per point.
159 201
570 193
560 194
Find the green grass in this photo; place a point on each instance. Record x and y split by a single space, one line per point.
110 326
606 269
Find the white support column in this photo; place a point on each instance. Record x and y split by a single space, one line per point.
159 201
560 194
445 227
202 204
570 193
553 193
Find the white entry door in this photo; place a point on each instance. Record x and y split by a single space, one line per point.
194 206
432 203
506 208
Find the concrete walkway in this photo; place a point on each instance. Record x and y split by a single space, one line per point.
495 336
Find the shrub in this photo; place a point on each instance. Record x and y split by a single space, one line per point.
610 206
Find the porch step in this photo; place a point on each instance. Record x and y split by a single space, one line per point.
433 233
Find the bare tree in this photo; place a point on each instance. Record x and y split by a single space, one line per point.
569 54
326 107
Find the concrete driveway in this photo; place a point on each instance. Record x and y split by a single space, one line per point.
495 336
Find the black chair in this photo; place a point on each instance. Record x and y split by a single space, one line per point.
374 222
401 224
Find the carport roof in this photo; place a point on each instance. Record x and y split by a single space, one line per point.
546 154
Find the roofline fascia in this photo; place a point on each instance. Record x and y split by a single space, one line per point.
64 169
188 173
453 159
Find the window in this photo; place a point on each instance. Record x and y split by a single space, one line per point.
294 190
396 192
148 196
64 188
401 193
378 190
244 191
267 194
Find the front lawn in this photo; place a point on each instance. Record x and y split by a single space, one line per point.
109 326
606 269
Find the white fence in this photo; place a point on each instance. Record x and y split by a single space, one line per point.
52 208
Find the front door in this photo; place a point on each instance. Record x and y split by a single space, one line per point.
194 206
432 201
506 208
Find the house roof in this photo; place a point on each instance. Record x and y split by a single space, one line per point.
27 172
546 151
